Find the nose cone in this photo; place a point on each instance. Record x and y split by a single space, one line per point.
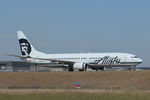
139 60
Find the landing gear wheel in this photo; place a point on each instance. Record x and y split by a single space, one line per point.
134 68
70 69
129 69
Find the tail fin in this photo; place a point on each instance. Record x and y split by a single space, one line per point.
25 46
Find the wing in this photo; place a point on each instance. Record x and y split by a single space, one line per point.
51 60
53 65
55 60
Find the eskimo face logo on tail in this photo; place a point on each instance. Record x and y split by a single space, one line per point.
25 47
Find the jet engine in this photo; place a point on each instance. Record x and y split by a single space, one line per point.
80 66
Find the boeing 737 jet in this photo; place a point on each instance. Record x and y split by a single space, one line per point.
79 61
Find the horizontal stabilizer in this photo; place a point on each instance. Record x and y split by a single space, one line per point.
16 56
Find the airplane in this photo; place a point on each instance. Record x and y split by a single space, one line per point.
75 61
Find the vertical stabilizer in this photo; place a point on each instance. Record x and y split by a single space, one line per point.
25 46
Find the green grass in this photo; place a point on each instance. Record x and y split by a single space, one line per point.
76 95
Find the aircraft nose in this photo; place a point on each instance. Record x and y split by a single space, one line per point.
140 60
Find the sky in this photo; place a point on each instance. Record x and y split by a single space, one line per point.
75 26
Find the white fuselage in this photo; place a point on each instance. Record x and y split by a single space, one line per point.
113 59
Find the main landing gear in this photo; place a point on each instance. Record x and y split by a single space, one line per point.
132 68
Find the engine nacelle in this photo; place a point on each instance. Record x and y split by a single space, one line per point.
80 66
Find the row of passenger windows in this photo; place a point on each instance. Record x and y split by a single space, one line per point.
80 58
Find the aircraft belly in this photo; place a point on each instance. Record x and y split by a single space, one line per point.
111 65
